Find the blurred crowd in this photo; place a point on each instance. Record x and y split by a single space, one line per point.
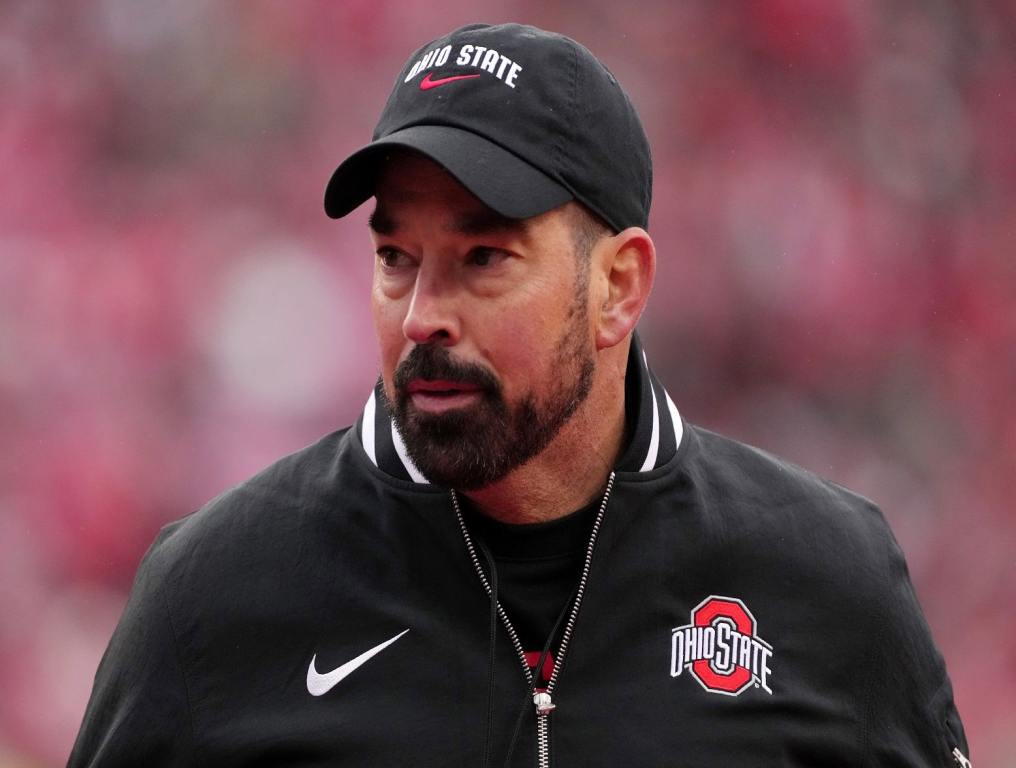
835 213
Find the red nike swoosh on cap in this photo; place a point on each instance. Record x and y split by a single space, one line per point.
426 84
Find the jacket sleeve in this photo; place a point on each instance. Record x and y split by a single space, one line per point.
139 712
910 718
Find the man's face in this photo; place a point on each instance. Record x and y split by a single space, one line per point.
483 325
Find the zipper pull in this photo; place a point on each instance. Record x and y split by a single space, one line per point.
959 757
543 702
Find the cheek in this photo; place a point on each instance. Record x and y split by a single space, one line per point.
521 343
388 319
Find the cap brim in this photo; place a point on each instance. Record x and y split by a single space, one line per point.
501 180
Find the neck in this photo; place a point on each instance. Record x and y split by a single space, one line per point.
573 469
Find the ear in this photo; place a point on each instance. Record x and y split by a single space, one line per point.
627 261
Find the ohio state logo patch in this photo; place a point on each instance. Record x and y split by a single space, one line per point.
720 648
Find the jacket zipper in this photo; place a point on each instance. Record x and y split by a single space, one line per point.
542 700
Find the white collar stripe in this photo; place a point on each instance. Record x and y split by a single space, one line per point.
400 449
367 428
675 417
654 440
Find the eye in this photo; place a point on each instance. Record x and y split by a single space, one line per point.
484 256
393 258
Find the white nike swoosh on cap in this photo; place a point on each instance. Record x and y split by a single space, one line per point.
319 684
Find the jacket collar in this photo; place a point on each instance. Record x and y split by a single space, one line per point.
654 426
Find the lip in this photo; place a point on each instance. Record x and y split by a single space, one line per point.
440 386
440 395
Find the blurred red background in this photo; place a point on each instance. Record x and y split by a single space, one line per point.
835 211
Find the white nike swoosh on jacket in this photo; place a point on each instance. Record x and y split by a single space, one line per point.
319 684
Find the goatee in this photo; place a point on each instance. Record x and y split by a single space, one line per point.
477 445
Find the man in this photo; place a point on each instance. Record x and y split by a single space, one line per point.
520 553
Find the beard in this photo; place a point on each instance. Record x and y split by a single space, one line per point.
472 447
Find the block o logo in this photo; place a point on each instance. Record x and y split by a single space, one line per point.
720 648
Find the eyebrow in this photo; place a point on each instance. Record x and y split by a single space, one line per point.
481 222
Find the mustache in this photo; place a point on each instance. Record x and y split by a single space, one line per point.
431 361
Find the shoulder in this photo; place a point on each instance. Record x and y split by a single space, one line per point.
264 515
797 538
210 576
753 490
309 475
752 470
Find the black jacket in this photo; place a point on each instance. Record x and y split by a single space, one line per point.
739 612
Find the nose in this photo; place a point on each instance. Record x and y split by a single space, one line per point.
432 316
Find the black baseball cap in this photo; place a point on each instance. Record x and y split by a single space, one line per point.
525 119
